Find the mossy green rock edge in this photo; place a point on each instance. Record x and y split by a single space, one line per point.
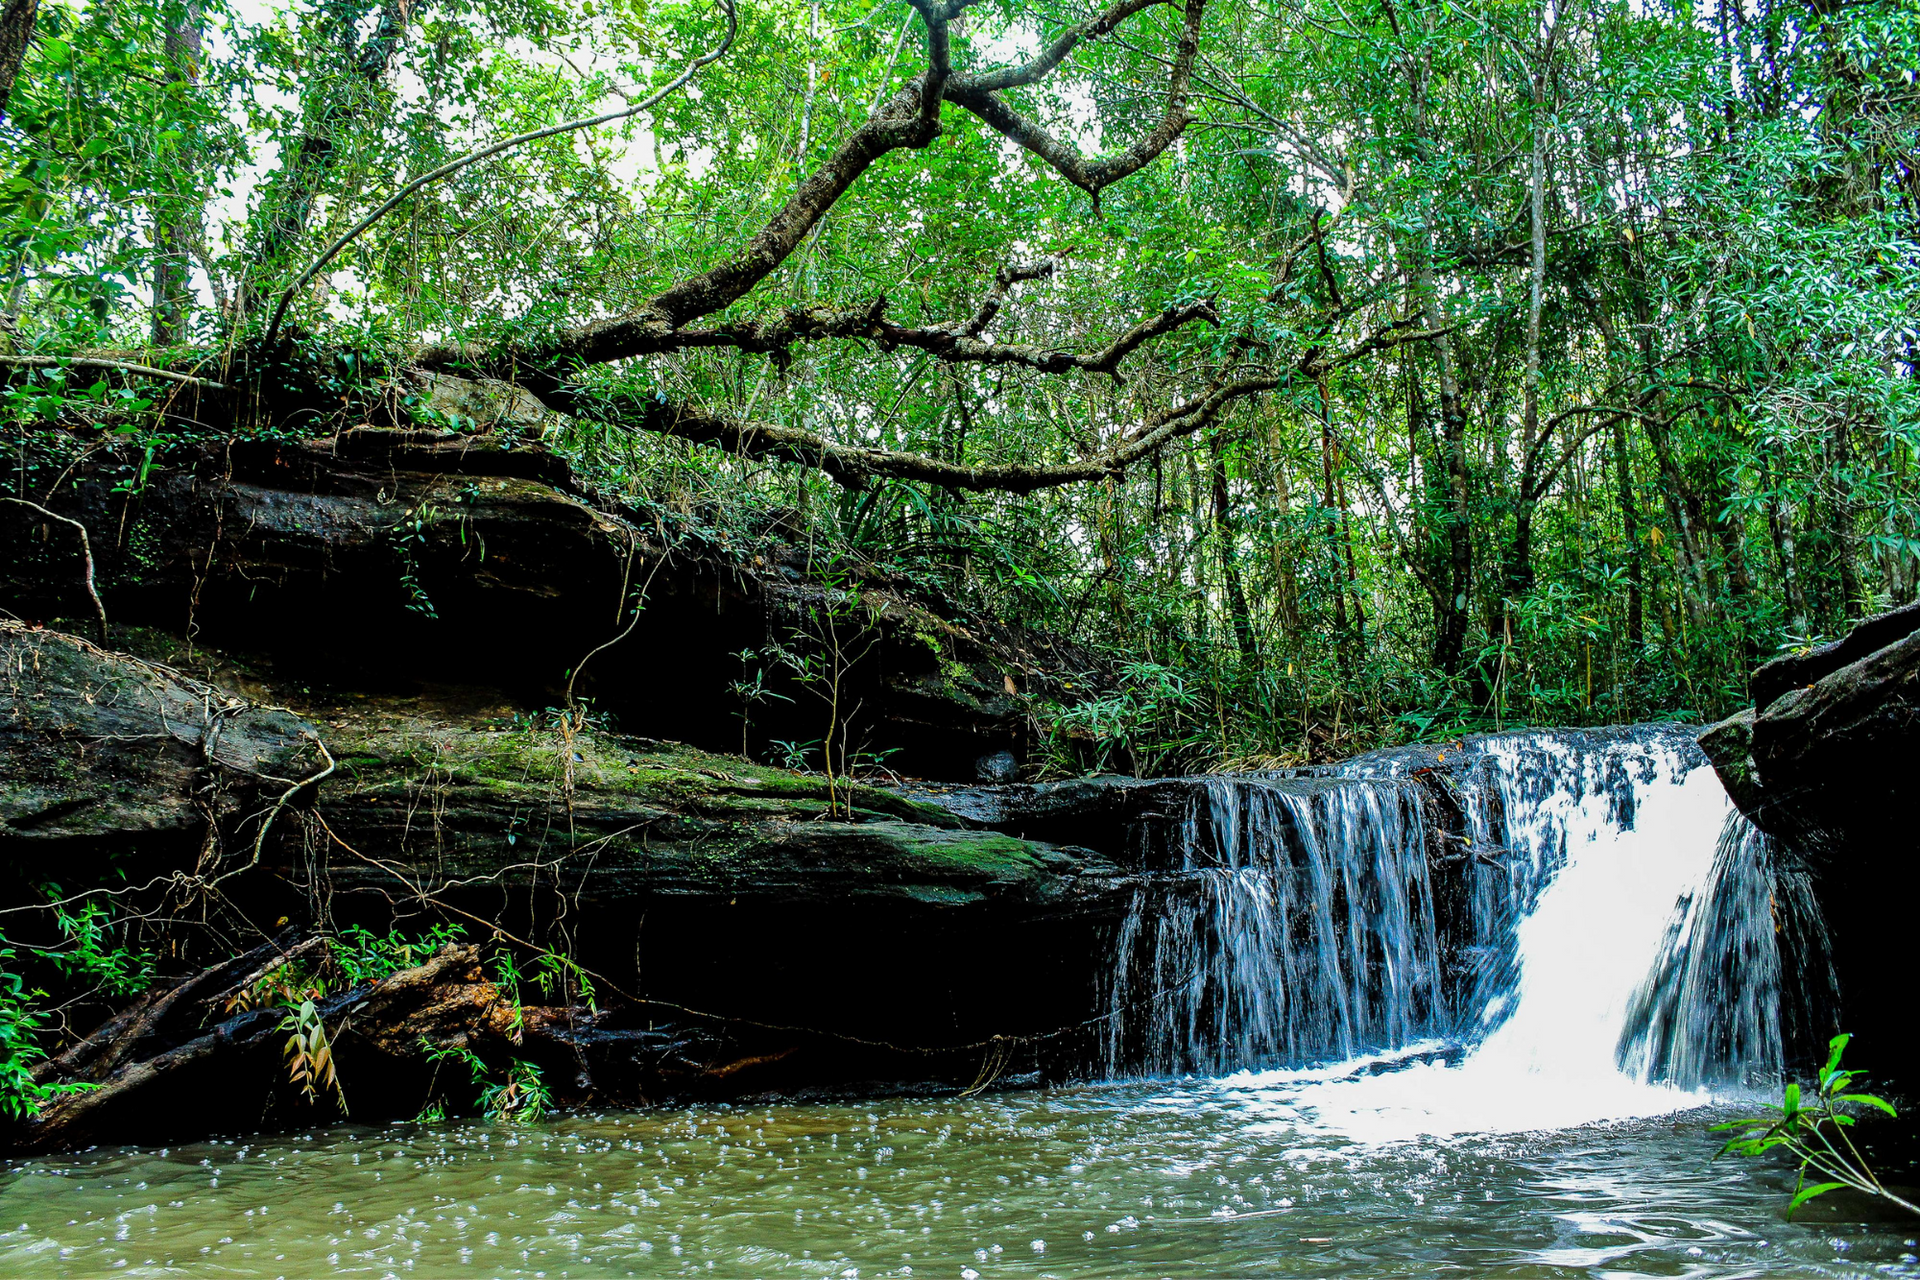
108 751
631 818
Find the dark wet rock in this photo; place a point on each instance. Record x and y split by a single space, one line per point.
622 821
104 752
1825 763
1774 679
1001 766
1825 758
749 927
385 557
1118 813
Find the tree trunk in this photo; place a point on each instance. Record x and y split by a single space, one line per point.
175 222
1450 630
1630 530
16 29
1287 580
1331 516
1841 517
334 100
1224 533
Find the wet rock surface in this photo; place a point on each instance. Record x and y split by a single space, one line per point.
104 752
1826 754
1825 762
379 557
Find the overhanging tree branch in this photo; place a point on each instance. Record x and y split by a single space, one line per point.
977 95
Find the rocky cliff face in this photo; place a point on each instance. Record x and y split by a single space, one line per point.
743 927
380 557
1826 762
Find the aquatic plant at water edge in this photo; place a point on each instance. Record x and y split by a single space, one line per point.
1814 1132
309 1054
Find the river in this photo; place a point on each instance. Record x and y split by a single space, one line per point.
1223 1177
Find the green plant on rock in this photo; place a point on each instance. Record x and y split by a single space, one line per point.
409 538
283 985
750 691
20 1094
364 956
91 956
1813 1130
1146 722
561 977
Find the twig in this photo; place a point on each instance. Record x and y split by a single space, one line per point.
99 362
86 552
260 838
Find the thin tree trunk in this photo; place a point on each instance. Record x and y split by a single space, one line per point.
337 92
1288 581
1224 533
1450 638
16 29
1841 516
1630 530
175 221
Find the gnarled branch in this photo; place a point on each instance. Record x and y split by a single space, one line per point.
1092 176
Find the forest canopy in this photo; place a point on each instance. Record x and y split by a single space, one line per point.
1345 371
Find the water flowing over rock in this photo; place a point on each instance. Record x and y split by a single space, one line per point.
1299 925
1744 970
1560 902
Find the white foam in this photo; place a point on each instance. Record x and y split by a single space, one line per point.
1589 943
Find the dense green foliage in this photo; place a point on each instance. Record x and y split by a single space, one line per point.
1614 308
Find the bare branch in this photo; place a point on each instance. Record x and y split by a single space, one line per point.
856 465
101 362
1054 54
952 342
1092 176
86 556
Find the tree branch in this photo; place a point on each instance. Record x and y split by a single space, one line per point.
86 556
951 342
1092 176
100 362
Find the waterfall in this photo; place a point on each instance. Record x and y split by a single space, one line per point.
1743 971
1299 925
1564 920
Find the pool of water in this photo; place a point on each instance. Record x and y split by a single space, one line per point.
1231 1177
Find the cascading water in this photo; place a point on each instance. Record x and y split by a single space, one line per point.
1574 925
1301 926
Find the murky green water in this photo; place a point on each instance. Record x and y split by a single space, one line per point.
1221 1178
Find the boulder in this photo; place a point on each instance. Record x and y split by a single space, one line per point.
1827 753
105 753
1825 763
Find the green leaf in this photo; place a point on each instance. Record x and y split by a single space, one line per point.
1839 1046
1868 1099
1808 1193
